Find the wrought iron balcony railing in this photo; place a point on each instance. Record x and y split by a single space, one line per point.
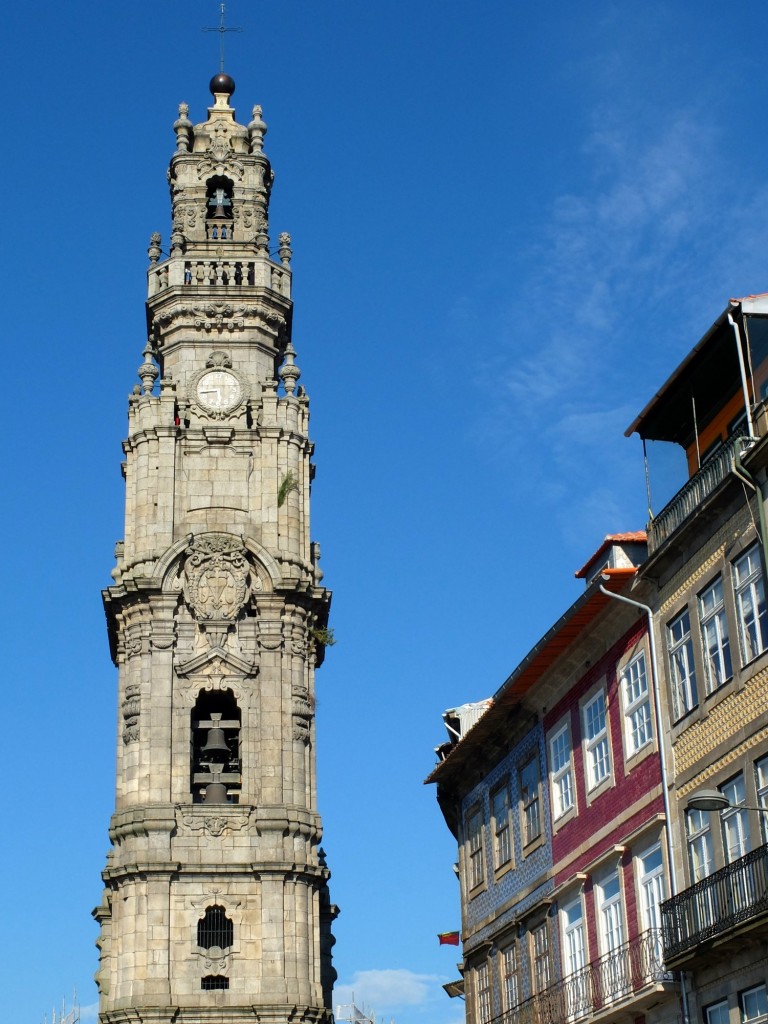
717 904
711 474
615 977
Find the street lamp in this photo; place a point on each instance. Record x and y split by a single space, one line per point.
714 800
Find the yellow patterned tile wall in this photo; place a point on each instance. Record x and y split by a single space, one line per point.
725 720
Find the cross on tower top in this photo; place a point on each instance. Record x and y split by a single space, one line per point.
222 28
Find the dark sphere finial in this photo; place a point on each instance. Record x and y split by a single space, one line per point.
222 83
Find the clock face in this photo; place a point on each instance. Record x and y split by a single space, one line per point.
219 390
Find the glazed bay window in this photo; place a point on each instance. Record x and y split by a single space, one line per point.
681 665
502 840
562 772
531 800
637 705
475 867
714 636
750 604
596 740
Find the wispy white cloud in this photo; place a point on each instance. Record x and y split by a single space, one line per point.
387 990
628 269
90 1012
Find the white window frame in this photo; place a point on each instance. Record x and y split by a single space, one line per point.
638 718
761 785
510 977
701 852
611 926
734 820
475 850
530 803
483 992
715 641
561 772
597 747
502 826
717 1013
751 611
650 883
761 1004
541 965
682 667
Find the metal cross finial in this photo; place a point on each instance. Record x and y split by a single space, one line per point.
221 29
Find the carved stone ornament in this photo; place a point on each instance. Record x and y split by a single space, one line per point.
221 316
131 711
302 712
217 577
214 824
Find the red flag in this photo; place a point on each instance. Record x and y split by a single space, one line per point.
448 938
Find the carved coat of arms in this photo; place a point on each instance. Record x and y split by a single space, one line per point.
217 577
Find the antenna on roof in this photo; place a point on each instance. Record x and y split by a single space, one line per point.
222 28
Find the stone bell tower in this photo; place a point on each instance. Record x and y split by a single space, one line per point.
216 904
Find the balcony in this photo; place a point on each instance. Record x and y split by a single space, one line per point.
688 499
621 978
712 909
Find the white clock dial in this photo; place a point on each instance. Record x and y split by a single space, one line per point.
218 389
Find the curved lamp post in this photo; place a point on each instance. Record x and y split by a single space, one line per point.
714 800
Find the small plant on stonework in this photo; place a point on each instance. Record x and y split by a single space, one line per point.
290 483
324 636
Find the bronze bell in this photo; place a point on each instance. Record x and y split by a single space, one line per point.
215 793
215 748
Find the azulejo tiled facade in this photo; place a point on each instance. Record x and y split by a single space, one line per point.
647 702
216 903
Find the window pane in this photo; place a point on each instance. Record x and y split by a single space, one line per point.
529 790
761 782
717 1014
502 851
681 665
483 990
595 732
475 848
562 777
714 636
754 1004
637 705
750 604
511 986
735 824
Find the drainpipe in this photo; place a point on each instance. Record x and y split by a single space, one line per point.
743 371
746 476
661 734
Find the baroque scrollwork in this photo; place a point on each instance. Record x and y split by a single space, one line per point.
302 712
217 577
131 711
214 824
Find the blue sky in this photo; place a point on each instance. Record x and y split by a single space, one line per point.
510 222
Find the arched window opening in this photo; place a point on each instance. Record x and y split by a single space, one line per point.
212 982
218 207
215 929
215 756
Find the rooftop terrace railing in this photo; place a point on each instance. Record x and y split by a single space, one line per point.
711 474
